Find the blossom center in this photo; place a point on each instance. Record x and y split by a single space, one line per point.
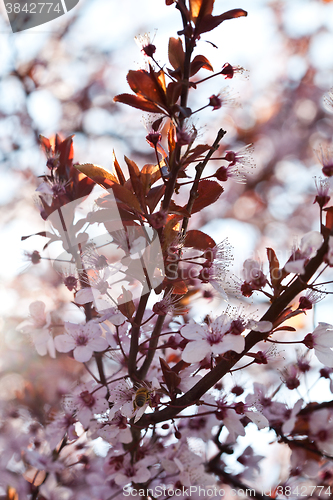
87 398
81 340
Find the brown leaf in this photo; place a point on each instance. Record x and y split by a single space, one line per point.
198 239
171 138
96 173
170 230
200 8
176 53
125 196
198 63
209 22
150 85
45 144
329 217
117 167
177 209
154 195
126 304
208 193
174 90
285 328
149 175
139 102
193 154
66 151
274 267
136 182
171 379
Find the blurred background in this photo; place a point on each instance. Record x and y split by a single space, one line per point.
61 78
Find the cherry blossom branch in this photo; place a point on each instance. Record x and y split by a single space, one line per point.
231 358
199 169
152 348
135 333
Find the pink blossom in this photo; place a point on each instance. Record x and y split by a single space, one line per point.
309 245
321 340
116 429
38 326
321 429
89 400
213 339
82 339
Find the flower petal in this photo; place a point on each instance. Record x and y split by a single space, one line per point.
324 355
193 331
196 351
84 296
98 344
229 343
64 343
82 353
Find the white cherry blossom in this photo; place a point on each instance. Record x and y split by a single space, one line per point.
308 247
321 340
212 339
38 327
83 340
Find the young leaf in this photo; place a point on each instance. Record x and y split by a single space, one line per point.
171 379
154 196
117 167
96 173
176 53
209 22
199 240
136 182
200 8
139 102
208 193
198 63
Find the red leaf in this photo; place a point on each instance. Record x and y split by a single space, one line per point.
285 328
149 175
198 239
139 102
95 171
200 8
45 143
119 172
65 148
194 153
154 195
329 217
208 193
210 22
123 195
126 304
174 90
171 379
176 209
149 85
198 63
176 53
274 266
45 234
136 182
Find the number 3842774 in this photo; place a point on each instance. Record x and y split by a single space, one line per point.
33 8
